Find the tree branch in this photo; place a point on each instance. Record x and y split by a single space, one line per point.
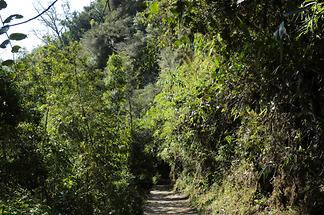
107 5
31 19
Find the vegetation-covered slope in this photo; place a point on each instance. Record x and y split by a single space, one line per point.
239 114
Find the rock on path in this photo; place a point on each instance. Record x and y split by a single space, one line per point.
163 201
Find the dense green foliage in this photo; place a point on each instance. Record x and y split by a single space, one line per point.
67 132
228 94
239 117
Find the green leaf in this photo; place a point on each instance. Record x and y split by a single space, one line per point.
244 28
282 29
3 4
17 36
4 44
15 49
154 8
12 17
4 29
280 32
7 62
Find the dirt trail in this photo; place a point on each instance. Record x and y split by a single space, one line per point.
163 201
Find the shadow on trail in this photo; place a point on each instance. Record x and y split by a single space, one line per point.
163 200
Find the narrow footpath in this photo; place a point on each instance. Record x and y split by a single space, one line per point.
163 201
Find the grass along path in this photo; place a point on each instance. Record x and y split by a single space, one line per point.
163 201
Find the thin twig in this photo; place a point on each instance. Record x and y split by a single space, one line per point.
31 19
107 5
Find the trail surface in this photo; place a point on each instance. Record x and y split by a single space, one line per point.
163 201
